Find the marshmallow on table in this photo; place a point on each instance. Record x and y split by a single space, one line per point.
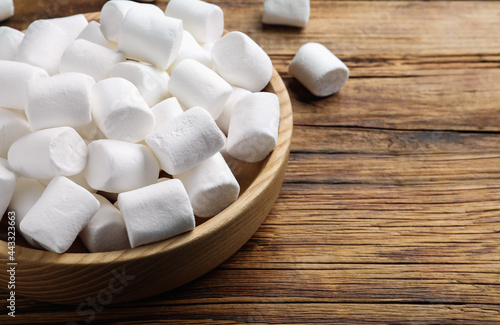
186 140
205 21
117 166
57 218
13 78
156 212
10 39
286 12
196 85
148 37
93 33
242 62
12 126
119 110
61 100
151 82
319 70
211 186
253 130
106 231
166 110
6 9
48 153
89 58
190 49
225 117
7 185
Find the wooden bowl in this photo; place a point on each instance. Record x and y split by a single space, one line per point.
141 272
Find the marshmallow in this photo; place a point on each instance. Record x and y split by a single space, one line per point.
190 49
93 33
211 186
57 218
61 100
88 131
186 140
156 212
79 179
253 130
242 62
10 39
106 231
12 126
225 117
319 70
166 110
286 12
196 85
6 9
48 153
151 82
89 58
119 110
7 185
117 166
13 78
140 37
204 20
71 25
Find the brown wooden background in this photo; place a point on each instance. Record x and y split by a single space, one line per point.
390 210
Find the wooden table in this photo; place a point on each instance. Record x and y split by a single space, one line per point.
390 211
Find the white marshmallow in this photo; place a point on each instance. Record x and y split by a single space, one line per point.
61 100
71 25
7 185
48 153
225 117
156 212
119 110
205 21
151 82
117 166
79 179
106 231
242 62
196 85
253 130
319 70
286 12
93 33
186 140
13 78
140 39
211 186
10 39
166 110
88 131
6 9
190 49
89 58
12 126
57 218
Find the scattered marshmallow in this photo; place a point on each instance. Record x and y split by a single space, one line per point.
196 85
119 110
117 166
57 218
61 100
93 33
204 20
225 117
242 62
166 110
253 130
286 12
7 185
10 39
186 140
6 9
211 186
156 212
190 49
106 231
12 126
48 153
319 70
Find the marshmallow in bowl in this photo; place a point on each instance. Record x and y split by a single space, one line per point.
7 185
225 117
286 12
191 49
13 125
10 39
6 9
71 25
93 33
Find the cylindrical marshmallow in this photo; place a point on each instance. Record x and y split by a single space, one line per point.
205 21
319 70
61 100
89 58
93 33
225 117
71 25
286 12
119 110
166 110
190 49
57 218
253 130
7 185
79 179
196 85
186 140
10 39
117 166
151 82
13 78
48 153
242 62
140 37
156 212
211 186
106 231
12 126
6 9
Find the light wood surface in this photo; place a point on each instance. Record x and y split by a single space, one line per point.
389 213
